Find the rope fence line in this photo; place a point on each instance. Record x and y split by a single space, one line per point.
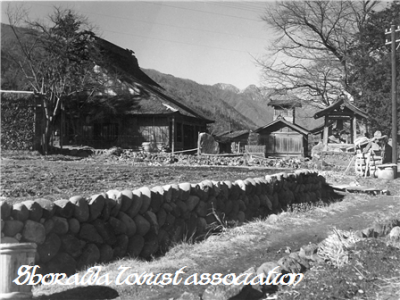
195 149
17 92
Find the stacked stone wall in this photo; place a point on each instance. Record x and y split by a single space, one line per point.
74 233
337 158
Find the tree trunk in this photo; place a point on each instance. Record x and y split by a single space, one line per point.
49 121
47 129
46 135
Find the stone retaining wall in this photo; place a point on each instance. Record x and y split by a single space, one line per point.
335 157
74 233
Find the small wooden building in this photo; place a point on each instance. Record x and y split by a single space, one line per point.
341 117
233 141
283 138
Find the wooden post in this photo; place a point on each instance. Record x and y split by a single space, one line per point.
394 97
354 128
35 134
294 115
183 136
194 135
198 144
326 133
339 124
392 41
62 125
173 135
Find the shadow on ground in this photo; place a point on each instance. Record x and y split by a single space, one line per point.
86 293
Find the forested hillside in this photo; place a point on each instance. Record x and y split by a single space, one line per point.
231 108
205 100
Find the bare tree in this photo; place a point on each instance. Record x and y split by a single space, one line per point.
314 47
56 60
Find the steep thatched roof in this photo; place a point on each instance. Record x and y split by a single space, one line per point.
147 96
124 61
156 101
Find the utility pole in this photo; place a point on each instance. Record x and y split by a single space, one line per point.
392 42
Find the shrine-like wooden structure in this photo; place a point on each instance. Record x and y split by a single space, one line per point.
339 112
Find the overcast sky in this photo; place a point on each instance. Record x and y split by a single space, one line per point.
208 42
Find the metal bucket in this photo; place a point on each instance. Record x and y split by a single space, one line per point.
386 171
12 257
146 146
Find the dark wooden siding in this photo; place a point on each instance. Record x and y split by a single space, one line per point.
130 131
283 141
288 144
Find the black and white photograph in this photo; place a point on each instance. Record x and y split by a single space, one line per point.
200 150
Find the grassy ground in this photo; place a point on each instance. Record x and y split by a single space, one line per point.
234 250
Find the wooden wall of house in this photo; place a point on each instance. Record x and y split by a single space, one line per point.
283 141
137 130
187 132
127 131
130 131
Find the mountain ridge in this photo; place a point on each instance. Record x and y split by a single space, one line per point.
250 105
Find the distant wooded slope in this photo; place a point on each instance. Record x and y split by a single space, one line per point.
208 100
231 108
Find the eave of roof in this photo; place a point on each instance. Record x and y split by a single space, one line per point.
180 106
337 104
282 120
235 134
229 136
223 133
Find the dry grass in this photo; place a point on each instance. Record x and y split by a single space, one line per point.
389 290
334 248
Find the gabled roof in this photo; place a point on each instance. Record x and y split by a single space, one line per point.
283 121
336 105
227 136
